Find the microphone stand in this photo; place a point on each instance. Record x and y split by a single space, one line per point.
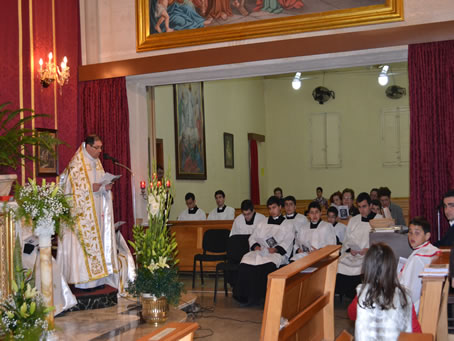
132 186
438 221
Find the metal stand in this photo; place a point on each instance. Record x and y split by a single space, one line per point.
132 188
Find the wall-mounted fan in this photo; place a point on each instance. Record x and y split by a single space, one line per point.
322 94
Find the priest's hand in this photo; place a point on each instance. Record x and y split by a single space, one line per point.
96 187
272 250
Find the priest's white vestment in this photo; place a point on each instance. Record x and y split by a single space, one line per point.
88 256
409 275
240 226
225 213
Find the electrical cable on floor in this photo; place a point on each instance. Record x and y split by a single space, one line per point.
229 318
204 336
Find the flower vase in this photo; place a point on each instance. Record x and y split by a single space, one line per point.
45 228
154 310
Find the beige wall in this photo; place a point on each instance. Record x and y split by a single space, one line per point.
233 106
271 107
359 100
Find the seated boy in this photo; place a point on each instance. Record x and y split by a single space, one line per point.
424 251
193 212
270 245
222 212
295 218
246 222
314 234
354 247
339 228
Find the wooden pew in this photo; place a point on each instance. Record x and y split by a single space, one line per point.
189 236
304 299
174 331
433 315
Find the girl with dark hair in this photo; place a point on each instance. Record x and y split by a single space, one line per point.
383 307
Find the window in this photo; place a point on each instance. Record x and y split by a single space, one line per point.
395 136
325 140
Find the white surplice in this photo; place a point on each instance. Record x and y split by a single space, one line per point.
198 215
409 275
227 214
266 235
308 240
340 230
95 263
356 238
241 227
298 220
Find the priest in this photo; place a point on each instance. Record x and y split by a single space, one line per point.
88 255
192 212
354 248
221 212
248 220
270 244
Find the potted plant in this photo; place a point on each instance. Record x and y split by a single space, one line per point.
155 249
14 137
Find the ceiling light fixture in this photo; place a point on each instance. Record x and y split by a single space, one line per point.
383 76
296 82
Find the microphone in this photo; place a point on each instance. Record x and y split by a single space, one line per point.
108 157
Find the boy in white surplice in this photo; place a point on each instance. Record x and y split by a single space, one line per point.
424 252
270 244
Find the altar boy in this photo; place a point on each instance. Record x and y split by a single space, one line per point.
424 252
248 220
193 212
297 219
221 212
270 245
314 234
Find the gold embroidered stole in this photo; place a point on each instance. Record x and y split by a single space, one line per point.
87 226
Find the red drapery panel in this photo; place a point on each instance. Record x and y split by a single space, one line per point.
431 82
255 188
104 111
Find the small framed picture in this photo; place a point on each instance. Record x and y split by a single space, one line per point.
47 163
228 151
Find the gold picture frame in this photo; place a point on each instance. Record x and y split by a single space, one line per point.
390 11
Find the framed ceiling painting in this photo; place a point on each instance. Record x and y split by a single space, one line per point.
190 150
164 24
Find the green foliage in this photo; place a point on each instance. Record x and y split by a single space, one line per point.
14 136
161 282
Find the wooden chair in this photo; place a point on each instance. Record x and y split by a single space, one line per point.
345 336
303 294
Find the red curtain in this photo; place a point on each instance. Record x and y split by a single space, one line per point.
431 82
104 111
254 168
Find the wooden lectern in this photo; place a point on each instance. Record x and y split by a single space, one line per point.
303 294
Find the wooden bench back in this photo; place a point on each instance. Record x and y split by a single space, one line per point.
304 299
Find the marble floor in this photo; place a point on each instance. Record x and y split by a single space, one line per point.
223 321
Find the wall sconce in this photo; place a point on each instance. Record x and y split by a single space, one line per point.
142 189
52 72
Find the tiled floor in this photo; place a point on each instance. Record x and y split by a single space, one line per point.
223 321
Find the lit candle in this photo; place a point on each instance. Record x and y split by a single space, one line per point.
50 56
142 185
40 64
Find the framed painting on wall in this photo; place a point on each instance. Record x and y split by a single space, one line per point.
47 163
165 24
190 150
229 160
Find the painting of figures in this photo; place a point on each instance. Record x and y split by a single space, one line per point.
173 23
190 131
